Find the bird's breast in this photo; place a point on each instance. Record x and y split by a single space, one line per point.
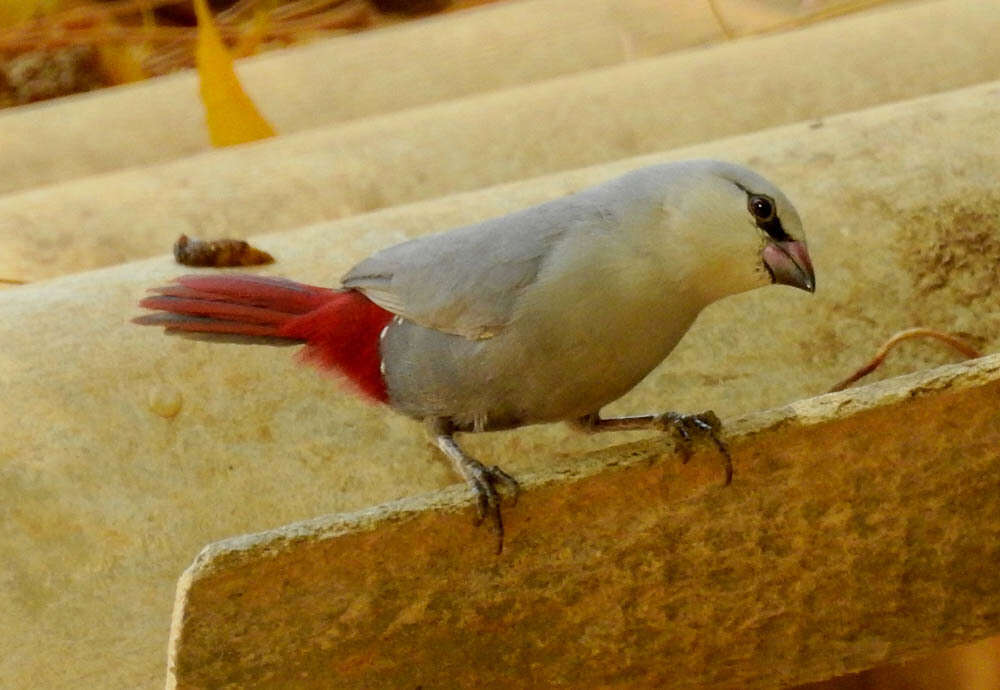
571 348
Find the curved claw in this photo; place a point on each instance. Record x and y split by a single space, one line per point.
508 481
706 423
483 481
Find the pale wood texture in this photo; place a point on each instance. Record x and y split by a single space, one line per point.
348 77
598 116
865 527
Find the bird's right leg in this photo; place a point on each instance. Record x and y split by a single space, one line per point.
684 425
481 479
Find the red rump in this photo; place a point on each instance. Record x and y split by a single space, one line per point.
343 334
340 328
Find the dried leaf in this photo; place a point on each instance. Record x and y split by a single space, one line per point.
231 116
218 253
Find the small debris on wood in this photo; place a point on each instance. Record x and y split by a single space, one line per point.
954 341
218 253
165 401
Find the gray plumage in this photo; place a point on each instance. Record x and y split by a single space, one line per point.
542 315
552 312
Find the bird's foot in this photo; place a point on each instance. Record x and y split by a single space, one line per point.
484 482
687 426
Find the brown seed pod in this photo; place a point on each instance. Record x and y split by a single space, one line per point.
218 253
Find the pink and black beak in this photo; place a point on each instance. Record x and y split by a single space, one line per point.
788 263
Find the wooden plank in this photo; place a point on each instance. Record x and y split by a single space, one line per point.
863 527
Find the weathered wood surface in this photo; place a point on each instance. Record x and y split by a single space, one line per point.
598 116
863 527
348 77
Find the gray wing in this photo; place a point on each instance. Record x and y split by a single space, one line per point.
465 281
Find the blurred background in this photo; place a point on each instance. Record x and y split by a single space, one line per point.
53 48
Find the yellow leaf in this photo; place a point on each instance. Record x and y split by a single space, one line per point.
231 116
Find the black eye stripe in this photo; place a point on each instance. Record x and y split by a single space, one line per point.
771 224
774 229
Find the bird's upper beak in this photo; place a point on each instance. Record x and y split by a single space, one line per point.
789 264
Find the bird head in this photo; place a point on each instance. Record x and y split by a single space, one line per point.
745 231
783 252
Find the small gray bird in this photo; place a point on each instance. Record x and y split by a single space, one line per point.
543 315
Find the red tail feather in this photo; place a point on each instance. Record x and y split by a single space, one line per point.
196 305
341 328
279 294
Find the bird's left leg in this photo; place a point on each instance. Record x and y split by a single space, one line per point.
481 479
684 425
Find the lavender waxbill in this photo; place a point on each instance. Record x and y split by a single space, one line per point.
543 315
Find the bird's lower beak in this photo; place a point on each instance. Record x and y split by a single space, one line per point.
789 264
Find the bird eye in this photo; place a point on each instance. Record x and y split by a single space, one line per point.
761 207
